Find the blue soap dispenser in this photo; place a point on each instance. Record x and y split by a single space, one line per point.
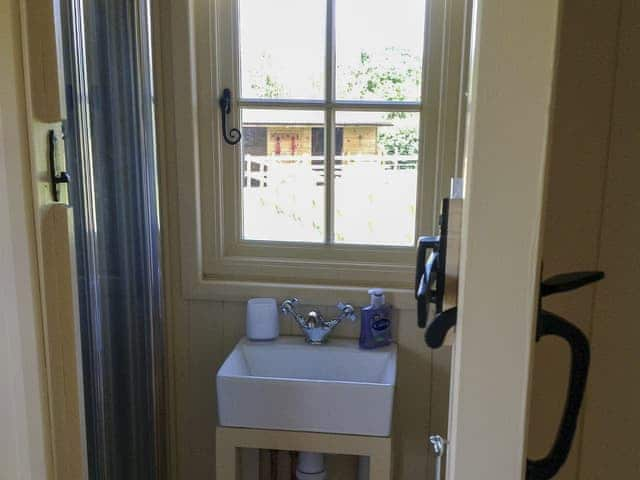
375 327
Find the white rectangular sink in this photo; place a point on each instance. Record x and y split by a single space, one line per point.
286 384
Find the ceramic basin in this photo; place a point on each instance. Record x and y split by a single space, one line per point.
286 384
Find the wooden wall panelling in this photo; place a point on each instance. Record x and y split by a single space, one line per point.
577 164
610 446
413 391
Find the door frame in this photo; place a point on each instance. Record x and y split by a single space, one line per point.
25 435
512 71
41 94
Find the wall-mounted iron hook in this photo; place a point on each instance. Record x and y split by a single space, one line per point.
56 179
234 135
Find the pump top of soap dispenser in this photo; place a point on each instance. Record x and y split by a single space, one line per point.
377 297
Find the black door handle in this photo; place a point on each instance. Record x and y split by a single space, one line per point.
565 282
424 244
438 328
426 275
551 324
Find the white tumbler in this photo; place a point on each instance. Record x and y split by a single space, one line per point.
262 319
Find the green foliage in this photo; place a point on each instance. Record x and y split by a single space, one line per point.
264 84
399 142
268 87
388 75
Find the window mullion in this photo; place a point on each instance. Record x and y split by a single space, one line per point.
347 105
330 96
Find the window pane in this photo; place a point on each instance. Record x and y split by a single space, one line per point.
375 177
283 195
282 48
379 49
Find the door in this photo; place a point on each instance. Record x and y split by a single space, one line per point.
512 66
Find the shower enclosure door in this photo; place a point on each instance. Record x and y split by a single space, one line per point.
109 141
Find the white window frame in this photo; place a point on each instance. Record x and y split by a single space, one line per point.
216 262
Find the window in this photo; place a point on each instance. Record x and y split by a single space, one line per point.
349 114
330 99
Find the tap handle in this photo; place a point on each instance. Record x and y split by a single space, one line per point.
289 304
348 311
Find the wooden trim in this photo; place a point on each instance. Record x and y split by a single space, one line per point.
25 427
160 25
512 78
54 243
349 105
45 60
62 339
320 295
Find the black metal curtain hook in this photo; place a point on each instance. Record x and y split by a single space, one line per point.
234 135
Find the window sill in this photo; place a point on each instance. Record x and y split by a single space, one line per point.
322 295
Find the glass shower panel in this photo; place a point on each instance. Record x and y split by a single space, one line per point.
111 157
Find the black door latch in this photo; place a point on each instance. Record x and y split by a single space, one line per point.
55 178
234 135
